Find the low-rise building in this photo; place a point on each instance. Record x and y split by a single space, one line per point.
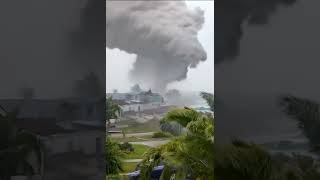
137 102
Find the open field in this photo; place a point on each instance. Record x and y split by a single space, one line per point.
138 152
129 167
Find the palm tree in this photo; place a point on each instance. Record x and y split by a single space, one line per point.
189 154
209 98
243 161
240 160
16 147
306 113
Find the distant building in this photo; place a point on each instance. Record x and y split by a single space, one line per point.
118 96
137 102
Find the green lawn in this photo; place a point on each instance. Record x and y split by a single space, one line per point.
138 152
134 127
129 167
117 177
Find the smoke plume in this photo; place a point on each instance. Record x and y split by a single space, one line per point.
163 35
230 16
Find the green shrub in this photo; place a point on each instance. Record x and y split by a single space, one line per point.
161 134
126 147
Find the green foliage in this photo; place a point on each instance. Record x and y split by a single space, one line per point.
209 98
126 147
139 150
129 167
242 161
113 157
173 128
161 134
247 161
112 109
307 115
188 154
181 116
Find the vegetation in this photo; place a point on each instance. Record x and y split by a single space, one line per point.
117 153
247 161
134 127
161 134
243 161
138 152
306 113
132 138
112 109
180 156
113 157
16 147
173 128
127 147
112 112
209 98
236 161
129 167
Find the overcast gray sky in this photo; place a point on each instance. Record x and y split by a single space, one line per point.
119 63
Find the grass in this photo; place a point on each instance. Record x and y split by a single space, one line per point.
129 167
138 152
117 177
134 127
140 128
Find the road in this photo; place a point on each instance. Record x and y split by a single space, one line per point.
153 143
133 134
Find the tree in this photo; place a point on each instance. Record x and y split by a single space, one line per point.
113 152
209 98
113 109
243 161
307 115
179 156
248 161
16 147
113 157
